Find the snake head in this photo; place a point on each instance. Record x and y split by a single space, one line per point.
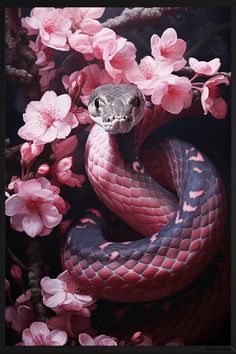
116 108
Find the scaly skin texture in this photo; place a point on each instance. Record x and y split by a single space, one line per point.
184 233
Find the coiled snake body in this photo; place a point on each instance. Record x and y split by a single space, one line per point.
170 193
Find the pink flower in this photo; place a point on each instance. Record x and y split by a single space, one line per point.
48 119
64 293
82 115
39 335
168 48
173 93
81 42
204 67
140 339
80 15
118 54
29 151
43 169
102 340
35 209
210 98
43 55
52 25
21 315
86 80
15 181
64 175
62 148
16 274
45 77
70 322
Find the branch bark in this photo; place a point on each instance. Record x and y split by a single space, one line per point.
138 17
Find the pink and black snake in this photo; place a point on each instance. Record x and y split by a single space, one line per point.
169 192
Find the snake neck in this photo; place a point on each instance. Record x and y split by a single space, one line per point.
123 185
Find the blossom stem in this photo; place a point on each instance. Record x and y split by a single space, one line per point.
36 271
194 77
197 88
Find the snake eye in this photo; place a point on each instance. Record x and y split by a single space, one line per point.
96 102
136 102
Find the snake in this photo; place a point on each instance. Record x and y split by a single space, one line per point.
170 195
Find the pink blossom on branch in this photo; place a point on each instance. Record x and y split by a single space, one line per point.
83 82
52 26
64 175
118 54
102 340
174 94
204 67
43 55
64 147
64 293
71 322
29 151
140 339
48 119
211 100
39 335
21 315
36 208
169 48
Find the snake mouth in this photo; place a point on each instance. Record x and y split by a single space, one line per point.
118 125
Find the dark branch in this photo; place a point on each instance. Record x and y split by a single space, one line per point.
138 17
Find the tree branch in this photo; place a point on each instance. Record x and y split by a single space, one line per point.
138 17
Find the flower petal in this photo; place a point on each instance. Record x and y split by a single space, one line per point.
60 337
32 224
39 328
14 205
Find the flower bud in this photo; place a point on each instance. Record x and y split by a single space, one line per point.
43 169
16 274
29 151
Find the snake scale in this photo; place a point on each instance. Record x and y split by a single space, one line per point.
170 193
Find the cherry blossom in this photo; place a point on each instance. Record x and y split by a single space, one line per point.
169 48
45 77
118 54
86 80
64 293
64 175
141 339
102 340
65 147
43 55
211 100
35 209
21 315
51 24
80 15
29 151
70 322
16 274
174 94
48 119
81 42
39 335
204 67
